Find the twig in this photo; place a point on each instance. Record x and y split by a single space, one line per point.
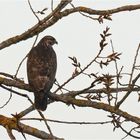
117 73
83 13
21 94
26 111
11 123
13 91
72 77
129 91
134 63
33 11
7 101
9 131
44 119
40 27
52 5
67 122
25 57
85 89
131 86
57 84
102 45
128 133
20 66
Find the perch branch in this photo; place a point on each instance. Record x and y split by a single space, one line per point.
67 98
24 86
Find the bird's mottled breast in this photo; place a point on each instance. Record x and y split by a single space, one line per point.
41 67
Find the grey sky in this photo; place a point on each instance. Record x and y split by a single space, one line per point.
77 36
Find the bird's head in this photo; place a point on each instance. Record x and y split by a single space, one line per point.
49 40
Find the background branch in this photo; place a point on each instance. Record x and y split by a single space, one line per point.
67 122
53 17
11 123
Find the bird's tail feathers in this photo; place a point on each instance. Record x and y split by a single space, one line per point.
41 100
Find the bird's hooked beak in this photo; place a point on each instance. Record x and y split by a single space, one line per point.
56 42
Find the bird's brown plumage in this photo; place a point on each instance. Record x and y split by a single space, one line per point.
41 70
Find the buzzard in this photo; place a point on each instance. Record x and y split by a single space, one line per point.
41 70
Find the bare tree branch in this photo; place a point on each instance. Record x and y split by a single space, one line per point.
24 86
25 112
10 134
98 105
7 101
68 122
129 91
25 58
101 12
67 98
53 17
33 11
11 123
15 83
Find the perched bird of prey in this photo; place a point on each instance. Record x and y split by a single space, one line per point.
41 70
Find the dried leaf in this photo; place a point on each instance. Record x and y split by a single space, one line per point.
102 35
101 64
74 64
107 29
108 17
45 9
75 60
94 75
108 34
114 56
75 72
79 65
105 44
70 58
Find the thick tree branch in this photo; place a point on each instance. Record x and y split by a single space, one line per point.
53 17
14 83
12 124
68 98
24 86
129 91
98 105
12 137
25 112
101 12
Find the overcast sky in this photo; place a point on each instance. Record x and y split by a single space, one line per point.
77 36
